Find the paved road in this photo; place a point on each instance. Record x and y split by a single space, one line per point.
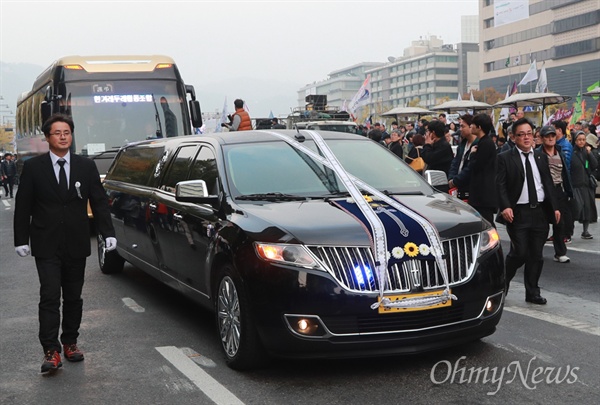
145 344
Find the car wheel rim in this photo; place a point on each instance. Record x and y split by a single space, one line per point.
229 316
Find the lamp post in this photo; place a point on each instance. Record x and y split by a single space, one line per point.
5 113
6 119
580 77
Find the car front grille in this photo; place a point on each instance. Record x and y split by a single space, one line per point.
354 267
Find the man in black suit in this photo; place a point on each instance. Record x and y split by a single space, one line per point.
51 214
479 176
527 205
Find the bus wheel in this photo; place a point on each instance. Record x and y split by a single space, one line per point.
109 262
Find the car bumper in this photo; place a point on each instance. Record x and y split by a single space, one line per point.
342 323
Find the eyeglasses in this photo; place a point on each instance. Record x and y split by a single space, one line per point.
59 133
524 134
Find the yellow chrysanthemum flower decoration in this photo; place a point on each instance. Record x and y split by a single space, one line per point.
411 249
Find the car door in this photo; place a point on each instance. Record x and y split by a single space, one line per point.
169 233
134 173
198 224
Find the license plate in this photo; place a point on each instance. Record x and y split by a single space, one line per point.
393 298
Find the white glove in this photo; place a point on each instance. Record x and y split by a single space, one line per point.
22 250
110 244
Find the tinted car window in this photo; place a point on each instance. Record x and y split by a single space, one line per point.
277 167
136 165
274 167
377 166
205 168
179 168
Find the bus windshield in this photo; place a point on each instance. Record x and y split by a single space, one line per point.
110 114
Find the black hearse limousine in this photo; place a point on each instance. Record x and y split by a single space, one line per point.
266 229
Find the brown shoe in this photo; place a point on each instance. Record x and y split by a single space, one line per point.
51 361
72 352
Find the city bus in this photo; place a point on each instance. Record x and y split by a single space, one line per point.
113 100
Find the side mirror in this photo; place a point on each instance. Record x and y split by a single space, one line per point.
195 113
194 191
46 105
45 110
437 179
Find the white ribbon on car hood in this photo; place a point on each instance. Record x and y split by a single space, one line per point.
354 185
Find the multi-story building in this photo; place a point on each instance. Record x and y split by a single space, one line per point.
429 70
562 35
340 85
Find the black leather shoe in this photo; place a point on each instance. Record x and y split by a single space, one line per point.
538 299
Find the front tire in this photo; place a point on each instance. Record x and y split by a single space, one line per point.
239 339
109 262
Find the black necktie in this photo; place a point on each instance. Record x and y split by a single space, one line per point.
530 183
62 180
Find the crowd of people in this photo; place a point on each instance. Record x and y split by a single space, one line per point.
534 178
8 174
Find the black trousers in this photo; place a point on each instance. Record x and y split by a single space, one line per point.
60 274
528 233
8 184
559 231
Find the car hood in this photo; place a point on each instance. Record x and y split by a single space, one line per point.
317 222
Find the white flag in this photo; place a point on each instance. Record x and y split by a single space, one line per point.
530 76
344 106
505 112
542 84
223 119
362 96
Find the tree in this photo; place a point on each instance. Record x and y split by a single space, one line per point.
488 95
415 102
7 138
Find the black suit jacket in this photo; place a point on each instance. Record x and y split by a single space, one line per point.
438 155
511 176
43 219
482 170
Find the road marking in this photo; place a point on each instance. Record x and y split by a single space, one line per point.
198 358
596 252
6 203
131 304
568 311
211 387
556 319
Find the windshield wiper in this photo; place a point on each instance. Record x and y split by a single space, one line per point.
330 196
271 197
412 192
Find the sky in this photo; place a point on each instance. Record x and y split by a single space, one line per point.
280 45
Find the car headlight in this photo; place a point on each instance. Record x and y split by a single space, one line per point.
489 240
297 255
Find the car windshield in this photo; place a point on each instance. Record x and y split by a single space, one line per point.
276 167
139 110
